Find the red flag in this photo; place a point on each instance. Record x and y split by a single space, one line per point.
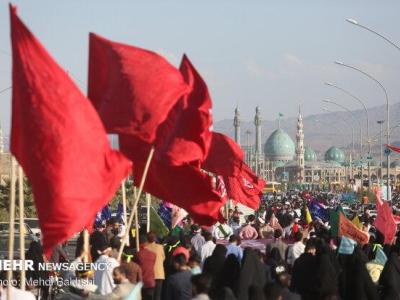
185 136
185 186
132 89
393 148
245 188
225 157
385 221
59 140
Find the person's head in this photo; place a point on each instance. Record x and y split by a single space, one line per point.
278 233
251 219
194 261
104 249
115 242
275 254
207 236
311 246
201 284
298 236
119 274
127 255
234 239
151 237
236 219
195 228
220 251
179 261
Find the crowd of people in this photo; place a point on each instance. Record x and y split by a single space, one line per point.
298 259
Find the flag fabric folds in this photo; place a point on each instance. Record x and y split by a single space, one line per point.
225 157
393 148
348 229
385 221
245 188
59 140
185 136
185 186
133 89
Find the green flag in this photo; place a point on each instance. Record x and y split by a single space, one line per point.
334 220
157 225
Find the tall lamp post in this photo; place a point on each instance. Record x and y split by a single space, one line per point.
387 114
349 124
367 118
354 120
380 122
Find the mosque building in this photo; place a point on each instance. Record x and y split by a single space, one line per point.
281 159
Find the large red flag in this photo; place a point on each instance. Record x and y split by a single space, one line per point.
185 186
385 221
225 157
185 136
132 89
59 140
245 187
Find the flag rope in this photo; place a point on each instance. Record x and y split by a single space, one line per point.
135 204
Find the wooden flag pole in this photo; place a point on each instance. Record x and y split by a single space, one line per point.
85 249
148 200
21 225
124 207
137 229
135 204
12 224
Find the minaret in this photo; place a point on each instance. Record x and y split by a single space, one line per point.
257 123
300 148
236 124
1 141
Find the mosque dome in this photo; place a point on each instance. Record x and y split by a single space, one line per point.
335 155
279 146
309 154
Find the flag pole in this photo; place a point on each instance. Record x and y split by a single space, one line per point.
124 206
137 229
135 204
85 245
21 225
148 200
12 224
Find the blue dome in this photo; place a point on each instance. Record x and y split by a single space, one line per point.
279 146
335 155
309 154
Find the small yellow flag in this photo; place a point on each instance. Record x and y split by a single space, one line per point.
308 216
356 221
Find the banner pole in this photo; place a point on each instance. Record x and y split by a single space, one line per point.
137 229
12 224
85 245
148 200
21 225
124 207
135 204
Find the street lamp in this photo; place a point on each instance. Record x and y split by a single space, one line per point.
349 124
367 116
355 22
380 122
387 112
354 120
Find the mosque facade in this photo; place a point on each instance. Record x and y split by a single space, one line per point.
283 159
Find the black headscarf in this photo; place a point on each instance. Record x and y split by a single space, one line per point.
252 275
214 263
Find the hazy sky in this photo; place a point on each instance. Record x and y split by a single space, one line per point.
275 54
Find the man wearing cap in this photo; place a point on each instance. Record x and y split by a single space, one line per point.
103 277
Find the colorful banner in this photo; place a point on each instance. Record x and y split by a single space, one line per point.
348 229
